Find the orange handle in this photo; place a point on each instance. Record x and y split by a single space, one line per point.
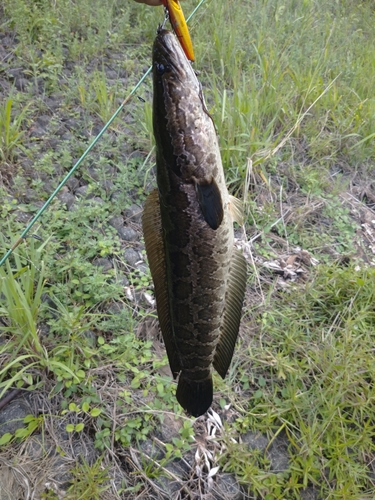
180 27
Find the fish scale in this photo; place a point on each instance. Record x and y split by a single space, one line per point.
199 276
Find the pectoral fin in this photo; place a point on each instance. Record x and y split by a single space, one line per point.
153 234
232 313
210 201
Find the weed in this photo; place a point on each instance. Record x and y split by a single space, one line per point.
10 130
89 481
303 386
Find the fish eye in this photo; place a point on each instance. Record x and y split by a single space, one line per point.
161 69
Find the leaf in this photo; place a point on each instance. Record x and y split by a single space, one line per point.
70 428
5 438
22 432
258 394
95 412
213 471
85 407
28 418
80 427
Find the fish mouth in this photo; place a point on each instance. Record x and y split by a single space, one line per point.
169 57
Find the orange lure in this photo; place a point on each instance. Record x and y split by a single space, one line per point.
179 26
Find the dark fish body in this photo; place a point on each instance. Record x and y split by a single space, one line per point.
199 276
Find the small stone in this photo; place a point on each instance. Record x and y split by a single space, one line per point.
37 447
39 85
143 268
43 120
94 173
227 488
62 474
118 197
21 83
104 263
150 450
52 143
22 216
68 137
278 455
68 199
48 186
30 195
116 222
112 74
131 257
52 102
129 293
134 212
123 281
309 493
127 234
255 441
60 131
47 299
11 417
148 299
116 307
38 132
97 200
90 337
108 185
72 124
84 192
14 73
72 183
43 330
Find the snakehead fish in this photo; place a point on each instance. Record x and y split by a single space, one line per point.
199 276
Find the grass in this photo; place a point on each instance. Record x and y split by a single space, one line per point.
10 130
294 108
312 378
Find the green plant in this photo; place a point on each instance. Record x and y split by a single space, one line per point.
33 424
89 481
22 283
312 378
10 130
104 97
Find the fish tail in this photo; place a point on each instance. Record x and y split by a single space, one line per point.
195 396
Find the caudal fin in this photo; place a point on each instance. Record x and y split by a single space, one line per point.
195 397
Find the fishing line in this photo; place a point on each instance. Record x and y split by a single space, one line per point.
80 160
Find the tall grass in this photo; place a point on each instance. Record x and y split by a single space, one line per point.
266 63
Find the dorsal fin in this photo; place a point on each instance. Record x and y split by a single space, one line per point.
232 312
153 234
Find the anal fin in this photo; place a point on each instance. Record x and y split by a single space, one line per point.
234 297
153 235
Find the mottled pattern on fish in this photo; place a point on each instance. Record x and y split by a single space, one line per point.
199 277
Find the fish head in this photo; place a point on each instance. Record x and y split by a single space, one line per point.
170 64
177 107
